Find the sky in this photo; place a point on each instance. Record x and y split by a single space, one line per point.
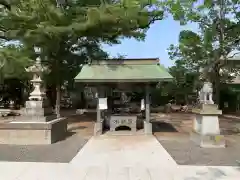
159 37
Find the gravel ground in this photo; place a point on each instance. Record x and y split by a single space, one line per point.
62 151
186 152
173 137
80 131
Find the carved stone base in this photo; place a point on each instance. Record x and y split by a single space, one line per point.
37 108
128 121
206 124
147 128
30 133
36 111
208 141
207 109
206 130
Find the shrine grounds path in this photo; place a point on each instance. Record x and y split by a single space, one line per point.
108 157
172 133
83 157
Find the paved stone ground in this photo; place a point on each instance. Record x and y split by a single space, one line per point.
138 157
173 135
80 131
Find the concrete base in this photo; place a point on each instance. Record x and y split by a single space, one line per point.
37 108
98 128
33 133
34 118
5 112
206 131
206 124
208 141
147 127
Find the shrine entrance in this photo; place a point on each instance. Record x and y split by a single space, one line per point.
117 83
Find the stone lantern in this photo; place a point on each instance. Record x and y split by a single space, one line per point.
38 94
37 107
37 123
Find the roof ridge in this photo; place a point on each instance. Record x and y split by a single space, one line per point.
142 61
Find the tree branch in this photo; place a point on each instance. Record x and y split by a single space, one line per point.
5 4
233 55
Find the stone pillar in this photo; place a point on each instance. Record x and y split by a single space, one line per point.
147 123
206 131
98 126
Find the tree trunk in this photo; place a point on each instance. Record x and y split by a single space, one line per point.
58 100
83 101
216 87
58 89
186 99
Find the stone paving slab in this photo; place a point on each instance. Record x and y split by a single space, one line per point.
64 171
12 170
52 171
207 173
123 151
61 171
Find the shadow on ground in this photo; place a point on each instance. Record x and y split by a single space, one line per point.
163 127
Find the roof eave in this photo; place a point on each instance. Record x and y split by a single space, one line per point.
122 80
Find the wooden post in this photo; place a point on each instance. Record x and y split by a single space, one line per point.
147 104
98 125
98 110
147 123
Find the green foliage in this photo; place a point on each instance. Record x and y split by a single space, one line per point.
71 34
185 82
218 36
14 60
60 31
39 21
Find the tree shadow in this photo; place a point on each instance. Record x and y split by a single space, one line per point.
69 134
163 127
76 128
64 137
86 117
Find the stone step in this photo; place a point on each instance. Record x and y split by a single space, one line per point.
124 133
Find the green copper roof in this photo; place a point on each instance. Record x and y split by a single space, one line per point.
137 70
232 61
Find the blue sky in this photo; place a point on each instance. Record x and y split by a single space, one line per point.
159 37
